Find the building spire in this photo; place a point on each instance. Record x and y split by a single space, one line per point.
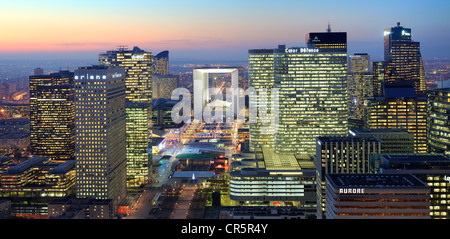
329 27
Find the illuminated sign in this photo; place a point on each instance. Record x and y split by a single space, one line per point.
406 33
387 33
301 50
351 190
91 77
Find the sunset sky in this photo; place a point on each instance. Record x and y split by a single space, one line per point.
201 29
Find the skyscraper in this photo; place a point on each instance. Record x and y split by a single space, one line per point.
161 63
400 108
438 126
261 77
312 85
359 85
52 132
379 70
403 58
138 69
100 121
163 85
342 155
312 93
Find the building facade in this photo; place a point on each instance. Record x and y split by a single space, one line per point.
403 58
138 65
431 169
100 123
261 78
401 108
52 132
394 141
312 97
376 196
438 128
274 180
163 85
341 155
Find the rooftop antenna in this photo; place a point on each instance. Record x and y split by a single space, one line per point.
329 27
121 47
398 24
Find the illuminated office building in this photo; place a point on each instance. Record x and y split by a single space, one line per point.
138 68
163 85
341 155
359 85
161 63
273 179
403 58
312 85
52 132
261 77
100 121
401 108
31 185
379 70
394 141
431 169
438 126
312 93
376 196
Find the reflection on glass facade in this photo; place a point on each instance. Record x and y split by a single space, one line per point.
312 97
261 77
52 115
438 121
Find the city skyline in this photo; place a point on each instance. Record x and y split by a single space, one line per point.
202 30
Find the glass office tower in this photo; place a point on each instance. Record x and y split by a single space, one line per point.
401 108
438 126
100 121
138 68
261 77
161 63
403 58
312 85
52 122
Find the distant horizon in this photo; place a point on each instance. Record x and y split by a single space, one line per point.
211 31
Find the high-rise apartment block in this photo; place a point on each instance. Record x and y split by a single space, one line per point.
52 115
100 122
